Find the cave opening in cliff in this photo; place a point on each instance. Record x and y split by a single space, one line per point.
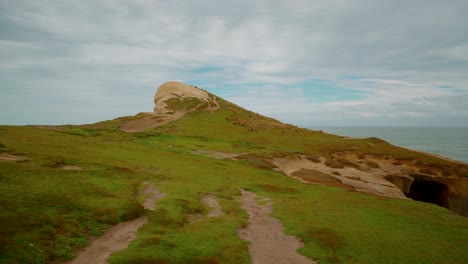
429 192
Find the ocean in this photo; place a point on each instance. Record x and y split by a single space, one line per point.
450 142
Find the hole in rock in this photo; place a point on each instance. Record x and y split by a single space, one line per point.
429 192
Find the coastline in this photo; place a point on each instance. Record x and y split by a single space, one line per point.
447 143
436 155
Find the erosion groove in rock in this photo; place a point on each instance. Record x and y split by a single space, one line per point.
383 176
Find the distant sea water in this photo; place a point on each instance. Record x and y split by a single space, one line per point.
451 142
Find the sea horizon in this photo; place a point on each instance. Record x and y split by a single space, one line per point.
447 141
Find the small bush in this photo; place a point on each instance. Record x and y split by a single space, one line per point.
333 163
427 171
446 173
256 161
276 188
372 164
462 171
57 163
186 104
348 163
315 159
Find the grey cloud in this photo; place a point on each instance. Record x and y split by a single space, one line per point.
121 50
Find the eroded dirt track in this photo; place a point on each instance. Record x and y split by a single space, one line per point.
119 236
115 239
269 244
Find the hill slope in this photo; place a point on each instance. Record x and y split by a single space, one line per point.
62 185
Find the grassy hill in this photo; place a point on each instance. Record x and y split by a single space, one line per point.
68 184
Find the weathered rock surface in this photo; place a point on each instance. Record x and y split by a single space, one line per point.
172 101
446 186
180 91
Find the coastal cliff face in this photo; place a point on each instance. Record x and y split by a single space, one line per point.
384 175
364 170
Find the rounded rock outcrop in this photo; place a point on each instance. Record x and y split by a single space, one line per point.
173 96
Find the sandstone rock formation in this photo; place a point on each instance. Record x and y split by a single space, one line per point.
384 175
171 96
172 101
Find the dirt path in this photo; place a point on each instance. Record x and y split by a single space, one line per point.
269 244
119 236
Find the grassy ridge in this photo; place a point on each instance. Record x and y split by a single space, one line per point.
47 213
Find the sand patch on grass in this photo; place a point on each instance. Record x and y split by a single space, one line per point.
151 196
216 154
10 157
151 120
211 201
269 244
71 167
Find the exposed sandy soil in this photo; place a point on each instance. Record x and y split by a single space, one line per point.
71 167
212 202
150 121
151 195
10 157
115 239
118 237
216 154
153 120
269 244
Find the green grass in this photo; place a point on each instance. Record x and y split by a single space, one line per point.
47 213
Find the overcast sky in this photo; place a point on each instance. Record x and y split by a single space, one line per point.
310 63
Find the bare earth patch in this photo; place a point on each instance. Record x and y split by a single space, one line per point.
216 154
71 167
118 237
269 244
152 120
9 157
115 239
211 201
151 195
